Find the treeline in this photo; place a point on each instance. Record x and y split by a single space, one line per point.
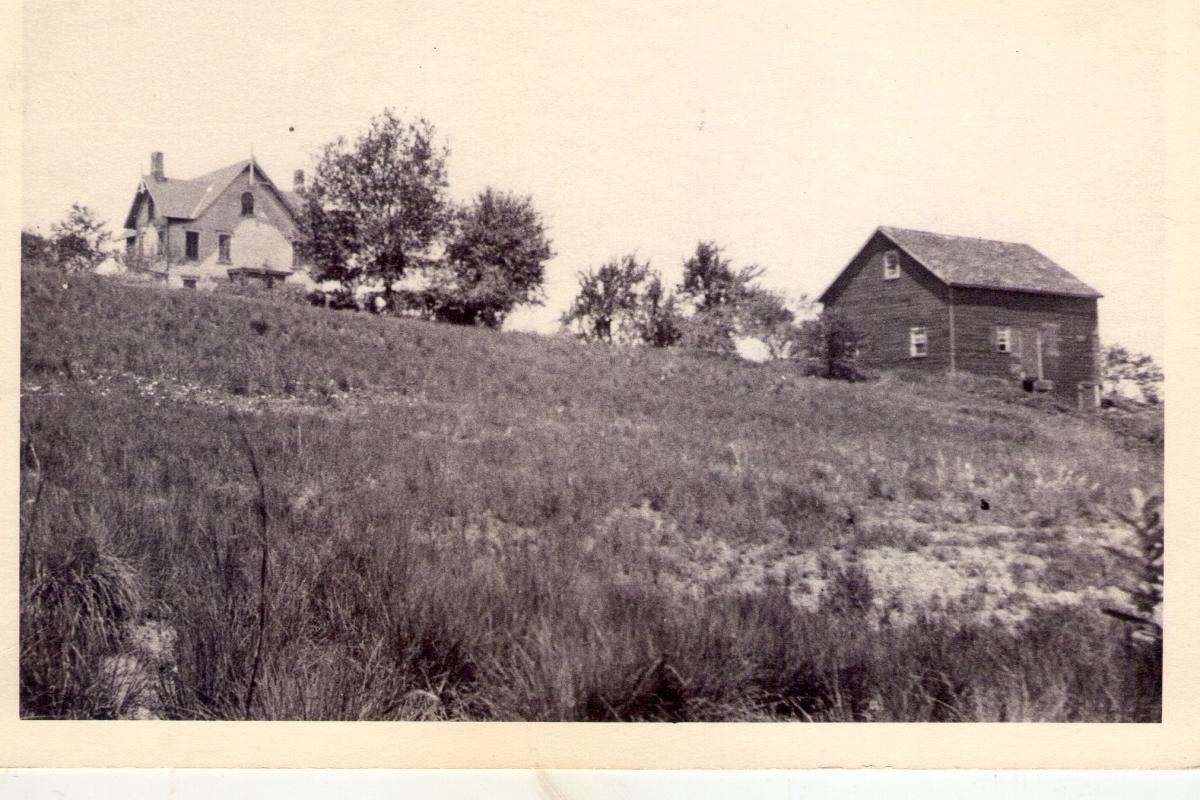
714 305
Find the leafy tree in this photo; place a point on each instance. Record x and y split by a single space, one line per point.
1120 364
830 344
79 240
375 208
494 261
765 315
36 250
716 292
710 281
660 321
607 305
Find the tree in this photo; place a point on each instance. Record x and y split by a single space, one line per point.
79 240
606 307
494 261
764 315
710 281
660 322
1120 364
830 344
36 250
716 292
375 209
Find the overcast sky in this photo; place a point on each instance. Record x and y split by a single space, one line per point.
785 132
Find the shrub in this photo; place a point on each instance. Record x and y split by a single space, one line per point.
76 600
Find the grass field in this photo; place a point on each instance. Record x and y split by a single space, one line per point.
238 506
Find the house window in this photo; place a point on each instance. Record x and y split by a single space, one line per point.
247 204
295 254
1003 339
189 283
192 245
918 345
223 248
891 265
131 247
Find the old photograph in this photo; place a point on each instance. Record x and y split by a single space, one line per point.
598 361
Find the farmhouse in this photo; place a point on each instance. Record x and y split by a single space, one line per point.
937 303
230 224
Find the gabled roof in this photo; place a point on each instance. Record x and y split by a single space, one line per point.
968 262
188 199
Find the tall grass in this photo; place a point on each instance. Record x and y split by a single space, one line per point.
447 541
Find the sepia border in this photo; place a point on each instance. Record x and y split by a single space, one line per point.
1174 743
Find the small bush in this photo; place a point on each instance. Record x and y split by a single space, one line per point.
794 505
849 592
76 600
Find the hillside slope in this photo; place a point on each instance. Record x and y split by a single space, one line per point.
457 523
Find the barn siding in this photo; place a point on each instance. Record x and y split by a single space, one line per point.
882 311
979 311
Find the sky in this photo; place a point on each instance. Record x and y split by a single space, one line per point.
784 132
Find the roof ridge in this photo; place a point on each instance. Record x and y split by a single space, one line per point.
886 228
216 173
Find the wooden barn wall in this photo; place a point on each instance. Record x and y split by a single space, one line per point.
883 310
977 313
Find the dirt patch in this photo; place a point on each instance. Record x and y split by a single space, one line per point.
134 675
981 573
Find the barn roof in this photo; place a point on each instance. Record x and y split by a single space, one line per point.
188 199
987 263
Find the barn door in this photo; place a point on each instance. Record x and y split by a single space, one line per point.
1031 353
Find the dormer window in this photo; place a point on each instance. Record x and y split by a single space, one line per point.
247 204
891 265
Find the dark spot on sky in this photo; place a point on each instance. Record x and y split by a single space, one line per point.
291 128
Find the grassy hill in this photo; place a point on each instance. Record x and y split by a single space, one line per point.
244 506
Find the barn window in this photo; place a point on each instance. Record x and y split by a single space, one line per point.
1003 339
223 248
918 344
891 265
192 245
247 204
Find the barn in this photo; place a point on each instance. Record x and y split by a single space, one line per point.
233 223
937 303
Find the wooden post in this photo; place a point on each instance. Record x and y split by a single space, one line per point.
950 304
1040 375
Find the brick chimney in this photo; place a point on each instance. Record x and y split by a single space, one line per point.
298 181
156 165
